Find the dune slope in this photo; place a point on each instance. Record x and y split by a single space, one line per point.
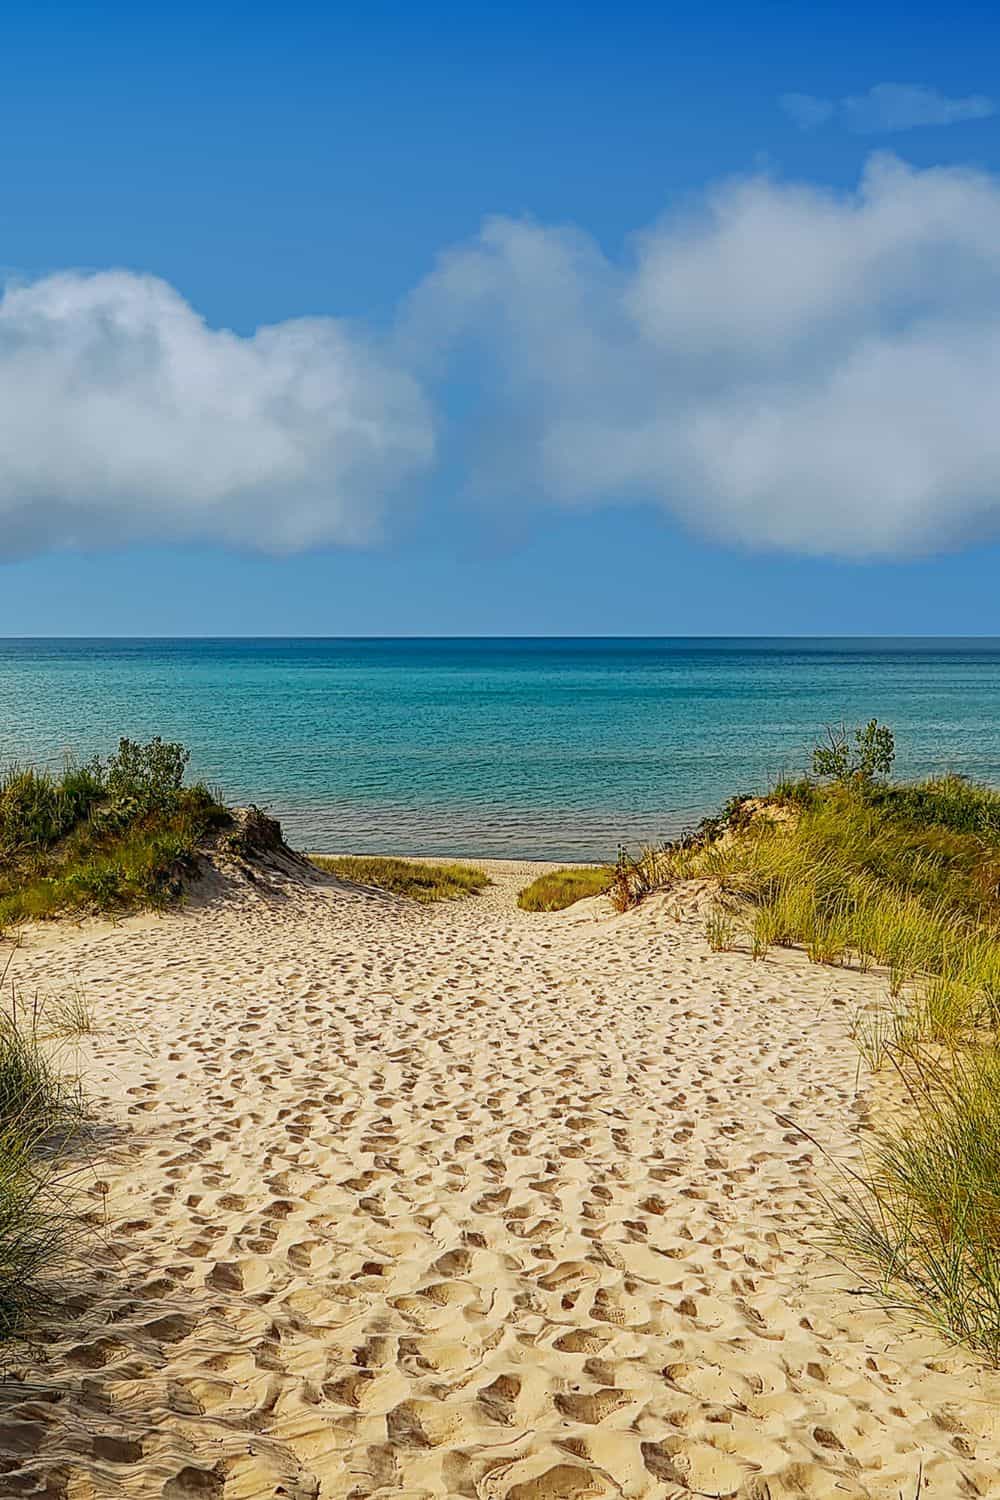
461 1201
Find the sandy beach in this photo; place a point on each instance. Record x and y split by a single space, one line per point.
441 1201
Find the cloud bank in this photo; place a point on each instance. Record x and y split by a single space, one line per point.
124 417
887 107
777 366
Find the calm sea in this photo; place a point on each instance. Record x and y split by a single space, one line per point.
517 748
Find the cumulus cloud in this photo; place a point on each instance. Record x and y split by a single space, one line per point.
776 365
887 107
780 366
125 417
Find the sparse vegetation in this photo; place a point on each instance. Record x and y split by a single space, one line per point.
720 929
404 877
902 879
922 1218
561 888
103 837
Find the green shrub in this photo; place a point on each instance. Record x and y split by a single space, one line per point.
952 802
100 838
873 753
146 778
796 791
37 808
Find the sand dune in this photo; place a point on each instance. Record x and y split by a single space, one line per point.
458 1201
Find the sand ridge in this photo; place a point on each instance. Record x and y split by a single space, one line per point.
462 1201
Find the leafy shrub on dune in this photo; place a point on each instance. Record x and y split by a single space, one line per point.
102 837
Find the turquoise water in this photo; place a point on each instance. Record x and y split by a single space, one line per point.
516 748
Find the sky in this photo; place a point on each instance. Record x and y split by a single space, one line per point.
450 319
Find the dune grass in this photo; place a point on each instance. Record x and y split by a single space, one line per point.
561 888
922 1218
404 877
105 837
872 880
904 880
39 1109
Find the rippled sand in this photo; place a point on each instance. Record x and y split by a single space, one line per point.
458 1201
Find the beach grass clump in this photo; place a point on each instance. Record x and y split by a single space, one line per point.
105 837
721 930
561 888
403 877
39 1109
922 1220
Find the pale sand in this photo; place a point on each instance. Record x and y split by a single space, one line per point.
458 1201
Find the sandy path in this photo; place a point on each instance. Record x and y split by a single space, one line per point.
463 1202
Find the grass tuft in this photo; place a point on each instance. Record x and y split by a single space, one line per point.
720 930
923 1220
403 877
561 888
39 1109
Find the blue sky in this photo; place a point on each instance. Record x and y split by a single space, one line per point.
718 363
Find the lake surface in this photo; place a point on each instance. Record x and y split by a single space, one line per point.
511 748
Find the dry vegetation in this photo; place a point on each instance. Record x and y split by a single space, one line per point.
403 877
562 888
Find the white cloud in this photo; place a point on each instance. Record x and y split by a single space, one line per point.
781 366
887 107
778 365
124 417
906 106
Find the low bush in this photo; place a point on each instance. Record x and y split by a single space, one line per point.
102 837
871 755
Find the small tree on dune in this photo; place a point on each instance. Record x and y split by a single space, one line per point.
872 754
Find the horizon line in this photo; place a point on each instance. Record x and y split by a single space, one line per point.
498 636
